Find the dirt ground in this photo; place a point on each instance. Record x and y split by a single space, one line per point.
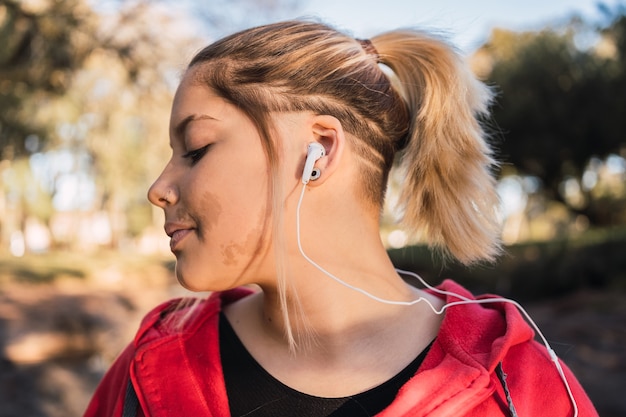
588 331
56 340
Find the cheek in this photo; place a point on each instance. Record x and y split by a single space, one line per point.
234 226
245 229
210 213
244 251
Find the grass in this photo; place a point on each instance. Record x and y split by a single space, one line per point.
535 269
48 267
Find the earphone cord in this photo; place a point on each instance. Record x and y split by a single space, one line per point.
463 300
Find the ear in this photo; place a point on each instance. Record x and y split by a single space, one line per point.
328 132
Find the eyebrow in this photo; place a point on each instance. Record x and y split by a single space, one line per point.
180 128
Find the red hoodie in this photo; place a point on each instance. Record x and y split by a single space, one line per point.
179 373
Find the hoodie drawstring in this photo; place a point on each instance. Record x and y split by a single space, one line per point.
502 378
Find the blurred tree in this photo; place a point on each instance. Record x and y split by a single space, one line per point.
43 44
128 111
558 104
95 86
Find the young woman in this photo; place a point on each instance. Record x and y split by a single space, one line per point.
282 140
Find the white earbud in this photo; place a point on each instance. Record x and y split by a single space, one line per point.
314 152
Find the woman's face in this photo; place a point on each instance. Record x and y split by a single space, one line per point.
214 191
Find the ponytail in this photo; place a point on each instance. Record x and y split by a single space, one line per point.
449 192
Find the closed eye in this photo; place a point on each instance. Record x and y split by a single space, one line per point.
195 155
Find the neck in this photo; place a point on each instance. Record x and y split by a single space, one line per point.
341 237
321 271
338 331
335 313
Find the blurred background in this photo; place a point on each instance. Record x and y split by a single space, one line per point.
85 93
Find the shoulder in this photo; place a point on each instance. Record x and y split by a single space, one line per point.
494 330
480 331
484 322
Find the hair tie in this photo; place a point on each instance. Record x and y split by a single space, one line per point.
369 48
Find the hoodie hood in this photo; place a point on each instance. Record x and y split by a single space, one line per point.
458 372
481 333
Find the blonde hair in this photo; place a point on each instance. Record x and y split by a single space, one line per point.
449 192
428 116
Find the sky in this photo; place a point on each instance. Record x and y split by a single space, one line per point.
467 23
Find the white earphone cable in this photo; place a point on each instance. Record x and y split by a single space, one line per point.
463 301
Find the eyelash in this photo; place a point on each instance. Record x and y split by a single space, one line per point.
196 154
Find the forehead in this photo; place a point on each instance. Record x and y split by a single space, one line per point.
193 98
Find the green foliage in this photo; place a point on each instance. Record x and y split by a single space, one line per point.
54 35
42 269
61 265
556 107
559 104
44 43
533 270
19 184
91 85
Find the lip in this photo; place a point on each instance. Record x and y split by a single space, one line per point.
177 232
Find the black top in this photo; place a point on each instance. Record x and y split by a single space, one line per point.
253 392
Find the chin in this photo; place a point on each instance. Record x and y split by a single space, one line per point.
186 285
186 280
201 280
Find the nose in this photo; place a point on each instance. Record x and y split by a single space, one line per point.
163 191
